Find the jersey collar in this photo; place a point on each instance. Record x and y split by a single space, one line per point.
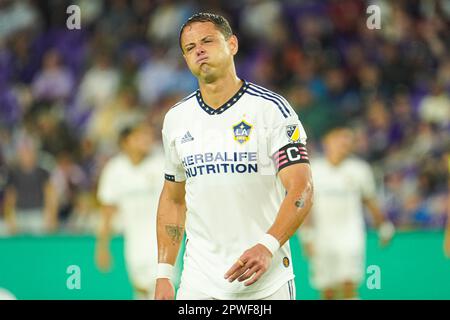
226 105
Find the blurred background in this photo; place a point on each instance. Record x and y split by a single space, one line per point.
66 94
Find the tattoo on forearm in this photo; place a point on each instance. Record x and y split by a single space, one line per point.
175 232
300 203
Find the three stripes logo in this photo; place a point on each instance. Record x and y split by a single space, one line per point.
187 137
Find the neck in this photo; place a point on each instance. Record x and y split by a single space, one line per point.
334 160
135 158
216 93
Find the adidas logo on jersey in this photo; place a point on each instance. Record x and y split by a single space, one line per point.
187 137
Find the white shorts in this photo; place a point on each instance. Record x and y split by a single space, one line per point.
286 292
329 269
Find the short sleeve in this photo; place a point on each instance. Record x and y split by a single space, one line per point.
173 168
107 192
288 142
285 132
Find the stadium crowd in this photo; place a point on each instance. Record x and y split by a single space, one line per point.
66 94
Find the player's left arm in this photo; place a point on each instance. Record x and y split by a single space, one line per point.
297 181
385 228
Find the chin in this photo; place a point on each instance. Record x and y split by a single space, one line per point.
208 75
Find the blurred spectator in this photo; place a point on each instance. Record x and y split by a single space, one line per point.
165 21
435 107
30 204
261 20
54 82
156 77
15 16
117 20
105 124
99 84
55 135
74 90
69 181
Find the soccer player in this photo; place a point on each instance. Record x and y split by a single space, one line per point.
334 233
237 178
129 186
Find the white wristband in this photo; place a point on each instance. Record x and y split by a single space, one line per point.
165 271
270 243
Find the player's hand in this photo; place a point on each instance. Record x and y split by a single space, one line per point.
164 289
103 258
447 244
386 232
251 265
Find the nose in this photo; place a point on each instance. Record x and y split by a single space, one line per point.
200 50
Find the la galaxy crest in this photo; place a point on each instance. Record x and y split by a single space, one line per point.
293 133
242 131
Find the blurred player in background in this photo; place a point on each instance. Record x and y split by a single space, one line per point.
334 235
237 176
130 184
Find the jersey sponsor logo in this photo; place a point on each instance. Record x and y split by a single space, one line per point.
220 163
242 131
293 133
286 262
187 137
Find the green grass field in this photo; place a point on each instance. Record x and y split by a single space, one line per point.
413 267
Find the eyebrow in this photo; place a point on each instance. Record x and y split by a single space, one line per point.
203 39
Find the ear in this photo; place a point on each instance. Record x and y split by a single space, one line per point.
233 44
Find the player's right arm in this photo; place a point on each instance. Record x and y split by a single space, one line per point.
385 228
170 230
102 250
108 195
9 208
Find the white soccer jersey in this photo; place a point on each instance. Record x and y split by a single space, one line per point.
337 214
135 190
232 191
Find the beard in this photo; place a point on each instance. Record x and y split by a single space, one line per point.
207 73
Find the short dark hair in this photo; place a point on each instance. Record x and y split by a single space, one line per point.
130 128
219 22
336 125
